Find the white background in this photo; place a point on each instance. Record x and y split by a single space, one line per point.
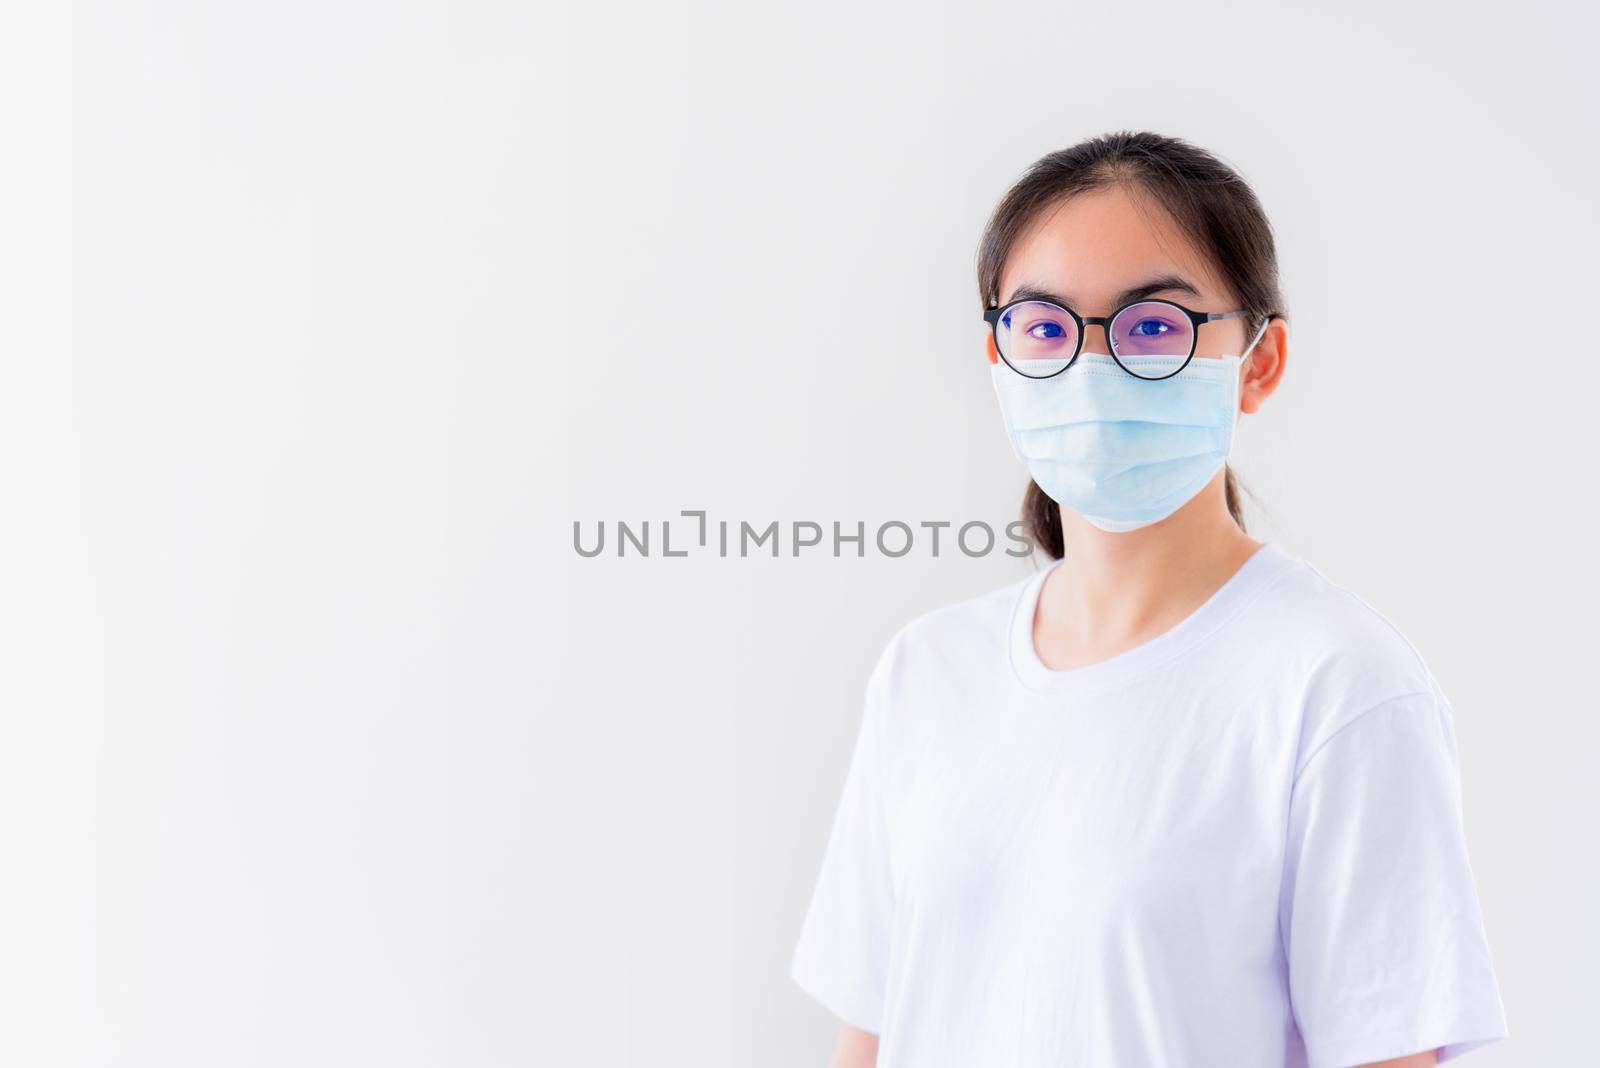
323 323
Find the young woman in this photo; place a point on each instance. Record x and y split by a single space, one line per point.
1177 799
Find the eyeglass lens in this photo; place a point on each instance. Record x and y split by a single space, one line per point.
1037 338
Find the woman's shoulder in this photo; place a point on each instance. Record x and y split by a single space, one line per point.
1346 655
955 632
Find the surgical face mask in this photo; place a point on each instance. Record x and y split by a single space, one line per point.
1123 452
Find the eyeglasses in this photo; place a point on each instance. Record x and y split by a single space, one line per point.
1040 339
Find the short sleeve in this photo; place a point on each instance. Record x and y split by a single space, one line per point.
1379 913
842 956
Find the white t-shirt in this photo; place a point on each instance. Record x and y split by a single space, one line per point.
1238 844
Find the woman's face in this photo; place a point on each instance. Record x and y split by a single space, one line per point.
1092 250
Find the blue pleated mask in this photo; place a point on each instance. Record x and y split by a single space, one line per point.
1120 451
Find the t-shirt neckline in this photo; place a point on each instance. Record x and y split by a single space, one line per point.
1253 576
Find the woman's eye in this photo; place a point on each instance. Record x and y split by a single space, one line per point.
1046 331
1149 328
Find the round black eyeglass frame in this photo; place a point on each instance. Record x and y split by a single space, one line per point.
1196 319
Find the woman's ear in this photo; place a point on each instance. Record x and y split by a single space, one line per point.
1265 370
988 340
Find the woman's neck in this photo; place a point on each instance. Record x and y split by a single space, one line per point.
1113 592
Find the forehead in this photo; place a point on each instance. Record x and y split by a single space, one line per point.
1097 244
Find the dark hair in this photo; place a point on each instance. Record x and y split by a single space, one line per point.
1211 205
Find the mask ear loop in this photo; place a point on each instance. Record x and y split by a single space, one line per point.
1244 360
1248 349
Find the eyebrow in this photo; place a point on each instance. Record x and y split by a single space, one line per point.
1165 283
